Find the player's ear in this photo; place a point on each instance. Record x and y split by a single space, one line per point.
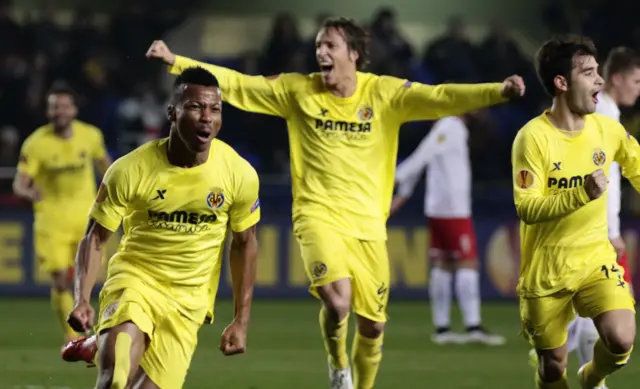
171 112
354 56
561 83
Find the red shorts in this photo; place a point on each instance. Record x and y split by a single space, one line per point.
455 237
624 263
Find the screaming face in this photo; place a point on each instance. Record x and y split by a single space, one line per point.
335 59
198 116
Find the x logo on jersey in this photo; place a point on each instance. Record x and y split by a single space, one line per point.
324 112
160 195
557 166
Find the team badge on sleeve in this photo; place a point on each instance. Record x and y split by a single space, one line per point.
524 179
599 157
407 84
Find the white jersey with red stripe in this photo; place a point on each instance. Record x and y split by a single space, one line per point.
444 154
606 106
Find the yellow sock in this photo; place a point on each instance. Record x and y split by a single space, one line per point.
562 383
62 303
366 354
335 340
604 363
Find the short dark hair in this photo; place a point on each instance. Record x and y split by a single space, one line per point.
556 57
62 88
620 60
196 76
357 37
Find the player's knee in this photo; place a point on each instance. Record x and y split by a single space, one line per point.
336 307
369 328
618 331
552 364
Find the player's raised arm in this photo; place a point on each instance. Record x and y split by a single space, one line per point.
244 215
412 101
266 95
28 167
534 205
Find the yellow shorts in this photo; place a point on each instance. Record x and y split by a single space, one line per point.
329 256
173 337
545 319
55 253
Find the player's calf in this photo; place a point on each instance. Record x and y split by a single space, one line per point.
120 350
367 352
334 319
552 366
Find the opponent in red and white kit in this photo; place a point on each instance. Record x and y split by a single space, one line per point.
622 88
445 155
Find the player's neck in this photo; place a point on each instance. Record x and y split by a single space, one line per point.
179 155
611 93
346 87
63 132
563 118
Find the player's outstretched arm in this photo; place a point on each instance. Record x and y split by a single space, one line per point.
249 93
628 155
533 204
415 101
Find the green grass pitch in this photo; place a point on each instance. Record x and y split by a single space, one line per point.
285 352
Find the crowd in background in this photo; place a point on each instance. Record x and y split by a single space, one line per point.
119 90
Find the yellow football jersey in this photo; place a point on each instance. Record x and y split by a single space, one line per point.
343 150
562 232
175 219
64 172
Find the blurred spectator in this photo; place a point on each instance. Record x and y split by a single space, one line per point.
10 32
393 48
283 43
9 146
452 56
500 56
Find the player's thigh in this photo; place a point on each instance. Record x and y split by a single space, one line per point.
55 254
604 290
545 320
370 282
169 354
325 256
120 349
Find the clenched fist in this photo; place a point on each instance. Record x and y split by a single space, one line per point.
513 87
595 184
160 50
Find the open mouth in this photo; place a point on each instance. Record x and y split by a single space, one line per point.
326 68
595 97
203 135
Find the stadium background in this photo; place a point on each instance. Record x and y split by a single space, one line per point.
99 48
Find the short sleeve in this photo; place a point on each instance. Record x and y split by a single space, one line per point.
99 149
113 198
28 162
245 209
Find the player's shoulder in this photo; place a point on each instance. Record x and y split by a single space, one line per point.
39 136
293 81
142 159
86 130
604 121
237 165
386 82
533 133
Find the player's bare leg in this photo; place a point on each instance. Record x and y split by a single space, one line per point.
142 381
120 351
552 368
334 319
62 300
467 287
617 331
440 294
